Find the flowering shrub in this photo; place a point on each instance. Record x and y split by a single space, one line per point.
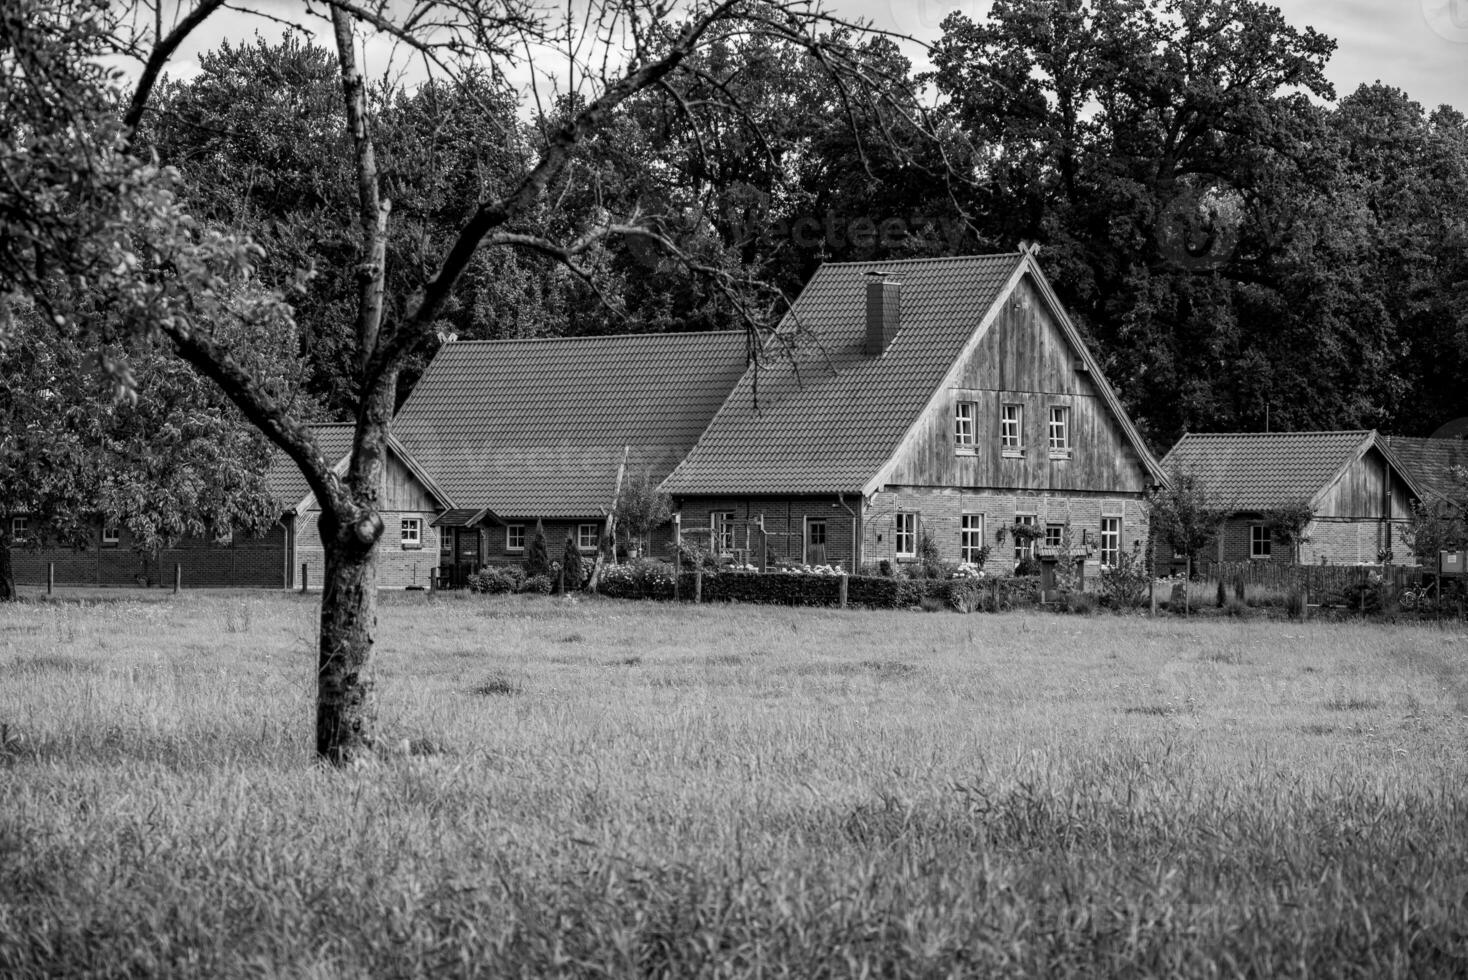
813 570
968 569
645 578
537 585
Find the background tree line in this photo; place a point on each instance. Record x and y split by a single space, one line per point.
1240 251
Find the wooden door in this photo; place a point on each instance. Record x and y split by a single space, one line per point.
815 542
467 556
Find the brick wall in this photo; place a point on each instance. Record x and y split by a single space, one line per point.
784 523
941 511
397 567
494 539
1332 541
244 563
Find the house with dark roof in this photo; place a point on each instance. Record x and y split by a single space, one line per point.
1439 465
524 431
942 398
1355 484
279 557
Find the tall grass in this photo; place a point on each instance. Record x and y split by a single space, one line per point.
600 788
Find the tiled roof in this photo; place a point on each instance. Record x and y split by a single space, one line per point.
284 478
1264 470
827 421
1430 462
538 428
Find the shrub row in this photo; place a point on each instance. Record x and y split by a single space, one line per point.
654 580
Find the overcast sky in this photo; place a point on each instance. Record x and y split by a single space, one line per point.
1420 46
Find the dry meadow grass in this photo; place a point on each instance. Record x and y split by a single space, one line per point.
599 788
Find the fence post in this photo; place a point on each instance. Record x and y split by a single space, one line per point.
698 583
677 573
843 591
305 574
50 577
177 577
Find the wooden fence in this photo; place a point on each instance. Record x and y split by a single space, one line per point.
1315 580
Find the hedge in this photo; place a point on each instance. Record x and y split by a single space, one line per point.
654 580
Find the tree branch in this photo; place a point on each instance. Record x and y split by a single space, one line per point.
163 49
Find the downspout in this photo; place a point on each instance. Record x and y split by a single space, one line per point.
855 533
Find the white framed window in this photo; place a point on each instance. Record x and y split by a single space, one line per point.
412 535
971 536
1024 547
19 528
905 535
514 537
1059 432
1260 543
111 534
1110 541
587 536
1054 535
1011 429
721 523
963 424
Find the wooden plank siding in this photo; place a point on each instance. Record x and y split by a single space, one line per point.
1024 358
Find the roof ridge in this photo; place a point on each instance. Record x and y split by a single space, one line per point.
598 336
1300 432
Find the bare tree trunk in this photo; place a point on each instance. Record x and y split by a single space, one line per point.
7 572
344 700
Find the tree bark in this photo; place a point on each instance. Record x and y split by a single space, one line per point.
344 698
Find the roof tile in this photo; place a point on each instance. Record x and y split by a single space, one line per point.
826 420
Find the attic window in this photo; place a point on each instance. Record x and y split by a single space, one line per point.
111 535
1059 432
963 425
1011 429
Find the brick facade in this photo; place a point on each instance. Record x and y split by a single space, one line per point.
785 522
259 562
398 567
941 511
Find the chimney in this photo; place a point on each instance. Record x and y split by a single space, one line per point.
884 312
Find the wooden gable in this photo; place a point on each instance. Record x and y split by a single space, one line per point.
1360 492
1022 355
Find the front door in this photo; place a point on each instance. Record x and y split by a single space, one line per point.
815 542
466 555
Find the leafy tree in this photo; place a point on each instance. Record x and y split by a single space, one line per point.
1185 515
537 554
641 509
571 565
1440 524
1287 525
175 462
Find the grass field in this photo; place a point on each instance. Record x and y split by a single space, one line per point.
610 789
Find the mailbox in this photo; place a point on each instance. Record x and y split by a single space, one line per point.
1452 562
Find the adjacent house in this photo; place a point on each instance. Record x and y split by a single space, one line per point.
941 398
1357 489
525 431
274 560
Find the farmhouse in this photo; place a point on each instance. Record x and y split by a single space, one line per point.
947 399
1352 486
